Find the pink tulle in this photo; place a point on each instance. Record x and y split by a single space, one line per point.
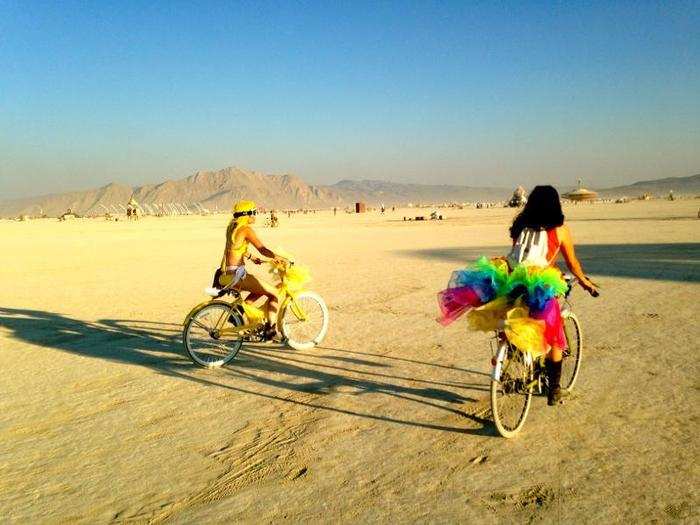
554 328
453 302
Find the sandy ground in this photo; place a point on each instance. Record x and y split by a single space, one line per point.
104 419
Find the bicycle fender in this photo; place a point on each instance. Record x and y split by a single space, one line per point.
500 356
200 305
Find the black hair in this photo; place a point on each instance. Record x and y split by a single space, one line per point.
542 211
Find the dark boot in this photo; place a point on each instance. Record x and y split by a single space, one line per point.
555 392
270 331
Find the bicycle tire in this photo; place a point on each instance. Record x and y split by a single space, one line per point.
297 333
514 385
573 353
200 342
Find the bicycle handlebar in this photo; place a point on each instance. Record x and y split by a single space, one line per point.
571 280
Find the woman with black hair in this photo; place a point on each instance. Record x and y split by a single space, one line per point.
519 293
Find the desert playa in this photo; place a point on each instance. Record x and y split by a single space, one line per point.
104 419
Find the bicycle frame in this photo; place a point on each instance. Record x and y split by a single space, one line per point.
288 299
530 362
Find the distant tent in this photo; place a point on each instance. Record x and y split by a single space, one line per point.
581 194
518 199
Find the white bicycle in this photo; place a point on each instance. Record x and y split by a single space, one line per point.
516 375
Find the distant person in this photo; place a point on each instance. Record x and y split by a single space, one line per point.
335 211
239 235
527 278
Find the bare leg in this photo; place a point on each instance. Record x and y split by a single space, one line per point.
258 289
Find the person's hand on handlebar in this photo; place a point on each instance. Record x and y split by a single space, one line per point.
589 286
282 261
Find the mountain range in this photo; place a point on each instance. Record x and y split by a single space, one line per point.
217 190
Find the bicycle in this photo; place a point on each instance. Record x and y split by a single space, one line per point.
516 374
215 331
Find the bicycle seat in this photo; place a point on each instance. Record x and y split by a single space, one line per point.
220 292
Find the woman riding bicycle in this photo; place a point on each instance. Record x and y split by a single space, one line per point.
239 235
519 293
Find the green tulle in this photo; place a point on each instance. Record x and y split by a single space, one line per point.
540 283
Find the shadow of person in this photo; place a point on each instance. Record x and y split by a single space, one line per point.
661 261
158 346
141 343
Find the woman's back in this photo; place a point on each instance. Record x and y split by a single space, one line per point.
535 247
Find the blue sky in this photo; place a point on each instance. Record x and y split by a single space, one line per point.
478 93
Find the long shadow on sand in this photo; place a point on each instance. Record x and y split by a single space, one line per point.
308 376
662 262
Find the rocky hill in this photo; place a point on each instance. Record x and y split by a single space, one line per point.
212 190
688 186
375 192
217 190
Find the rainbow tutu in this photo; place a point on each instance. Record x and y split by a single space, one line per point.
522 302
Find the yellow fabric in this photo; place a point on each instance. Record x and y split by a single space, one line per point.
253 313
490 316
296 277
525 333
243 206
225 278
239 251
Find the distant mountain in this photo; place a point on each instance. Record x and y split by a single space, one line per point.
220 189
376 192
658 188
79 201
212 190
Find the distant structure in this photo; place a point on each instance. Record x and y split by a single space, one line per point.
68 215
581 194
360 207
132 209
518 199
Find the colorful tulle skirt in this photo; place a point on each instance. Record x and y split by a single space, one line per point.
522 302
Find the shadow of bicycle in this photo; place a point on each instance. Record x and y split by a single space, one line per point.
281 370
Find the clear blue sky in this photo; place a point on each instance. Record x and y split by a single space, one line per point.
462 92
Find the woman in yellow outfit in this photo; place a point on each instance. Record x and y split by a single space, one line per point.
239 235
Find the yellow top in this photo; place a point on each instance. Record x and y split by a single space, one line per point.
238 251
241 217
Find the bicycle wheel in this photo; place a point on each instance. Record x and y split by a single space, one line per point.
202 339
512 382
304 321
573 353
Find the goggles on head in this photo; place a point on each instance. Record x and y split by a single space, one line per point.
237 214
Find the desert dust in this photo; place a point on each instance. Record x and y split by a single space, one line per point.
104 419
